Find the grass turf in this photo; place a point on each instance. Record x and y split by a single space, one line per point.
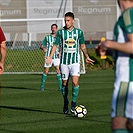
24 109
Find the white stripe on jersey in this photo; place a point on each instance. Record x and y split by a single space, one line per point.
63 44
78 44
120 37
67 46
122 63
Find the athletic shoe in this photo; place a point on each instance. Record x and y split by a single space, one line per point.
73 105
65 108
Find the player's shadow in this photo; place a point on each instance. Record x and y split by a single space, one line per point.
26 88
18 88
28 109
10 131
90 118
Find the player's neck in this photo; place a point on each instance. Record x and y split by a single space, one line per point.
71 28
53 34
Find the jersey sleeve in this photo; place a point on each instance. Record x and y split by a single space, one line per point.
81 38
2 36
128 21
58 38
44 42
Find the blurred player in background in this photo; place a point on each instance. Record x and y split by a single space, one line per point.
2 50
46 47
122 100
71 40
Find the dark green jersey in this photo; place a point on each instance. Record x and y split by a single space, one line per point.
70 42
123 27
48 44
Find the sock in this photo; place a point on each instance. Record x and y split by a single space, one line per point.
75 92
44 76
120 131
65 92
59 81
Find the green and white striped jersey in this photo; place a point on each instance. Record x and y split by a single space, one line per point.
48 44
70 42
124 62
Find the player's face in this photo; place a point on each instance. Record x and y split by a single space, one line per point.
124 4
69 21
53 29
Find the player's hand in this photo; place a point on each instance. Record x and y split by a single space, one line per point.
90 61
48 60
59 55
101 48
1 68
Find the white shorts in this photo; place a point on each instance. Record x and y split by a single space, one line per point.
55 62
122 100
73 70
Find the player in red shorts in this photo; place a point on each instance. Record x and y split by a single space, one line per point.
2 50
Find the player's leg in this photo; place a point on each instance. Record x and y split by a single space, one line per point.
122 107
122 125
65 95
44 75
130 107
75 92
56 65
119 125
75 69
64 90
59 79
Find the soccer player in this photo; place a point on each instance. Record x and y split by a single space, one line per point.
71 40
46 47
122 100
2 50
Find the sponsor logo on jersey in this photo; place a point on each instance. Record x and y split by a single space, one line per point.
70 42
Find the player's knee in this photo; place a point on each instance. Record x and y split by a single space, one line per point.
119 122
75 83
46 71
64 83
115 124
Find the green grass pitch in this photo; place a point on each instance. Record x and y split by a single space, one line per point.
24 109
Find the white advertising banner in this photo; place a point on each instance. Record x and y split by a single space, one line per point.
48 8
12 9
44 9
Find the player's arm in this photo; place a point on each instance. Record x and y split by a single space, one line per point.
88 59
53 51
43 48
126 47
84 49
3 51
49 58
43 45
3 56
